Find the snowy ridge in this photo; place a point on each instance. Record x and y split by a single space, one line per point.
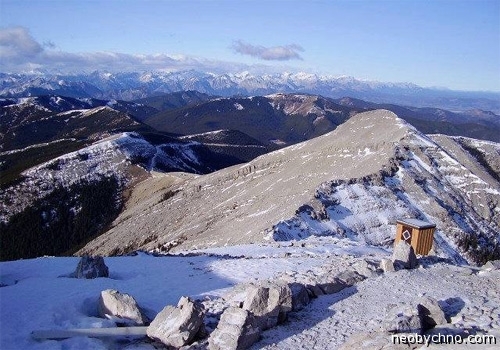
111 156
429 181
353 182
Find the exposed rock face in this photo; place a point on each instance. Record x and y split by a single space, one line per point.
91 267
350 277
404 256
177 326
123 306
237 329
430 312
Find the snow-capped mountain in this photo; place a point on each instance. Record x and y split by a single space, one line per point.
129 86
353 182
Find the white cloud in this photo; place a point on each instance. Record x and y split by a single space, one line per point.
274 53
17 43
20 52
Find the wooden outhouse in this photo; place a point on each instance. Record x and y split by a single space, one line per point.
419 234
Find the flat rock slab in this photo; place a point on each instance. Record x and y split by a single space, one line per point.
88 332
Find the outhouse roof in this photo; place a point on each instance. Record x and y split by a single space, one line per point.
415 223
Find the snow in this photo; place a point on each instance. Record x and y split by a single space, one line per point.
416 223
38 145
36 294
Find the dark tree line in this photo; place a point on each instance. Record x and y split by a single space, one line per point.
478 248
62 221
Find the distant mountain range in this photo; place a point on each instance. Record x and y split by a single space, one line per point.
132 86
278 120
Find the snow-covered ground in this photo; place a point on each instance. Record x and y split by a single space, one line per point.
36 295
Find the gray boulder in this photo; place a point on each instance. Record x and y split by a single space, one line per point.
331 285
269 302
177 326
404 256
300 296
311 284
350 277
404 324
237 329
430 312
387 265
123 307
492 265
402 319
91 267
366 268
314 290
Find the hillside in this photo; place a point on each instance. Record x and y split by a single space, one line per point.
173 100
353 182
66 165
274 120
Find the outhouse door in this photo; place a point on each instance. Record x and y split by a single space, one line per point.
406 235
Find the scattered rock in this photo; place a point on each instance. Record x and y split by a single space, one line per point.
331 285
404 324
492 265
300 296
404 256
177 326
237 329
402 319
366 268
122 306
350 277
430 312
270 302
314 290
91 267
387 265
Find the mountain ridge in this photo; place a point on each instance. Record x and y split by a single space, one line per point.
136 85
272 196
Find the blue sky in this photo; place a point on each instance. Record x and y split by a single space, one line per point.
440 43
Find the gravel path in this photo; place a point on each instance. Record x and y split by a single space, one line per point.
329 320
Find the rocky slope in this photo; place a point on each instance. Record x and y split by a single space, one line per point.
353 182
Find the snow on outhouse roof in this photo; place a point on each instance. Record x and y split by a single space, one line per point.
415 223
